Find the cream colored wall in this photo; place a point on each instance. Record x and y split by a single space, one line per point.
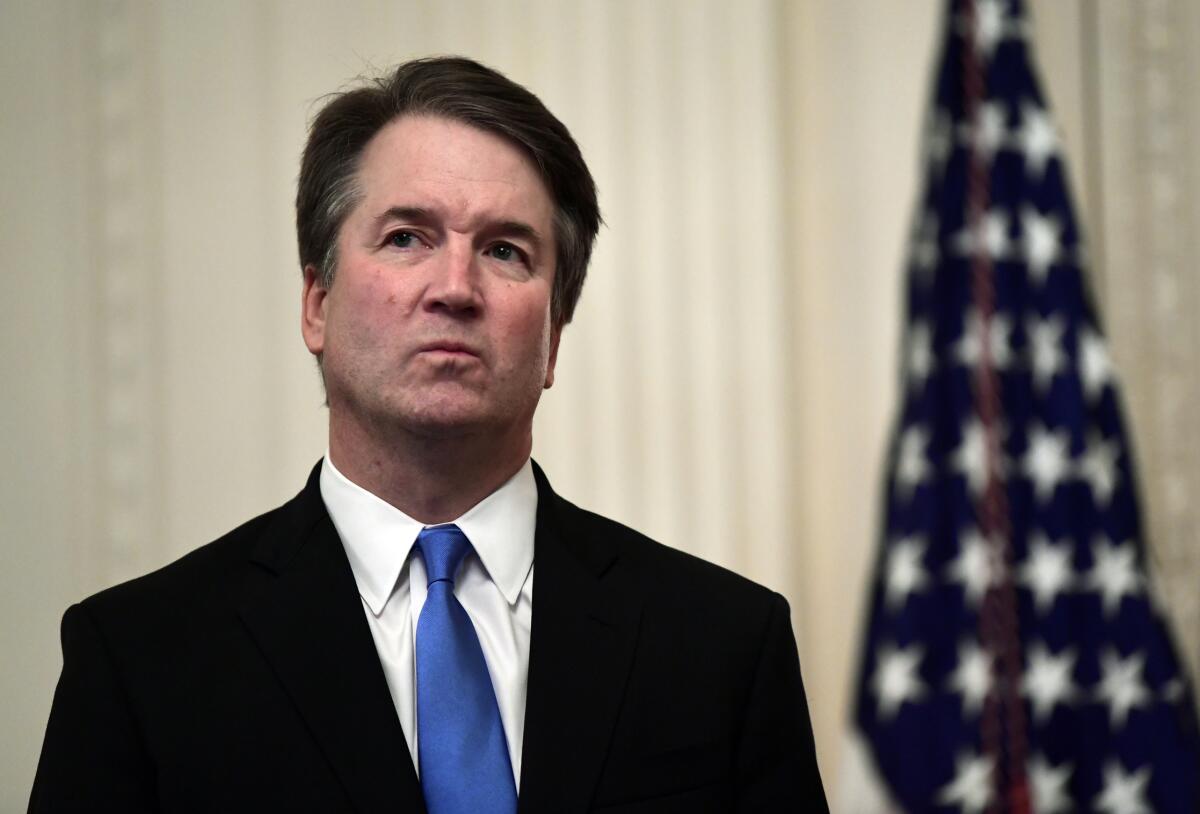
727 384
855 141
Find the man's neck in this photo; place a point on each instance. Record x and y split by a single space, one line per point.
432 480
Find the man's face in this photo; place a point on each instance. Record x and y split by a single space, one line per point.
438 319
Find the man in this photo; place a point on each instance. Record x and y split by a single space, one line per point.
375 643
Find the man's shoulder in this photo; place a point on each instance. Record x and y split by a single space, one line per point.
693 618
668 571
208 575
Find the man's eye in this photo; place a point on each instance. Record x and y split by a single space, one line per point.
403 240
505 251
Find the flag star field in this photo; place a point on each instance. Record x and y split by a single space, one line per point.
1073 698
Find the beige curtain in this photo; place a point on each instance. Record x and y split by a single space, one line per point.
728 382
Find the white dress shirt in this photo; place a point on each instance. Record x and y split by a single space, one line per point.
494 585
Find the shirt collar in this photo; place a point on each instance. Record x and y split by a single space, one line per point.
501 529
378 537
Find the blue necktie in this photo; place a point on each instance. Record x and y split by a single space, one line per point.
465 767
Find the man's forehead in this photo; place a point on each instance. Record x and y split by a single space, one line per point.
426 144
446 167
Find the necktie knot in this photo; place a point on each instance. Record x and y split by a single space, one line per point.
443 549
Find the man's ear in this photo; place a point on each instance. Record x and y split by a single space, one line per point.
312 311
555 335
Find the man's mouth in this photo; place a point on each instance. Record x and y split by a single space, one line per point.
450 349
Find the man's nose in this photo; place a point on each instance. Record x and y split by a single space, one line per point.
455 285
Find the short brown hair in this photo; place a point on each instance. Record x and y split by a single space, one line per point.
461 90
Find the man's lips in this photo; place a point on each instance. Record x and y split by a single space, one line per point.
451 348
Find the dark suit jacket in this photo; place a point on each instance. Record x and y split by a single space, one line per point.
244 678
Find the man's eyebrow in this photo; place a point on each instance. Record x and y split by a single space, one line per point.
517 229
416 214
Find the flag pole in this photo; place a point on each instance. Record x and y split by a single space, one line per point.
1002 724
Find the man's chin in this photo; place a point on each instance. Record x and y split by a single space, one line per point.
443 426
438 418
434 414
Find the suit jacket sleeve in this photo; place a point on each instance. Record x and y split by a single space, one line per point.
93 757
777 762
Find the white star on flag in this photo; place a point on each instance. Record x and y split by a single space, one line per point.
939 141
976 567
1114 573
1095 365
1045 346
1048 679
1098 466
905 574
1041 240
925 252
971 788
991 26
1124 792
1047 571
972 677
912 465
1047 460
895 680
1121 686
969 349
989 236
988 132
970 458
1173 690
920 354
1049 784
1037 139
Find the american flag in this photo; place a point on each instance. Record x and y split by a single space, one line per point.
1016 659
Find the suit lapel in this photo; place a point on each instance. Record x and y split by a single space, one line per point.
585 619
306 617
